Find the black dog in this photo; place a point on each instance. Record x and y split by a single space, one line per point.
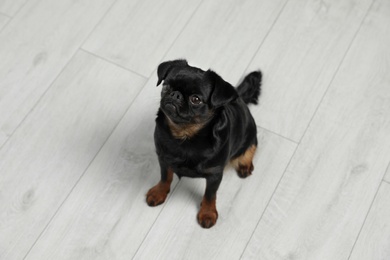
203 124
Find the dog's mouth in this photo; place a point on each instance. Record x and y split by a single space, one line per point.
171 110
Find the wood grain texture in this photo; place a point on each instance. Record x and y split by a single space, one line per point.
49 152
240 204
10 7
322 200
374 239
73 181
3 21
113 218
225 34
124 170
137 34
34 47
300 57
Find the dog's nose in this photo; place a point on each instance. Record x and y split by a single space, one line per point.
176 95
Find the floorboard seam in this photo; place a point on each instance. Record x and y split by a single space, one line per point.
269 201
364 222
274 133
56 77
177 37
266 35
113 63
165 54
86 169
39 100
337 70
20 8
154 222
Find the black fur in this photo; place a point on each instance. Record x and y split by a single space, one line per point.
226 127
249 89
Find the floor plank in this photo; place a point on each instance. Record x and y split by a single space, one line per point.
10 7
300 57
240 205
137 34
34 48
225 35
114 218
3 21
374 239
49 152
387 176
322 200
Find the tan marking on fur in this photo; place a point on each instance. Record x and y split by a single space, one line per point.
208 215
187 131
184 131
245 159
157 194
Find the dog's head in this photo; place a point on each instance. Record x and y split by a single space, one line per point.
190 96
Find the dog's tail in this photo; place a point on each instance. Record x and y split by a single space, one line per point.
250 88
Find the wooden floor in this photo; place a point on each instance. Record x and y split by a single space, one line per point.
77 108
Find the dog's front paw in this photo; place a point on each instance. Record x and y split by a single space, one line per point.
208 214
157 195
207 219
244 171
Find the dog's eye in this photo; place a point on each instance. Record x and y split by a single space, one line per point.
195 100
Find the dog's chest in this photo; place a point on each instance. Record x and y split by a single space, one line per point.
186 159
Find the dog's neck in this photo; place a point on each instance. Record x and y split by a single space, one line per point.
184 131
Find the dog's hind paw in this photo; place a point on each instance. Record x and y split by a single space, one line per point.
244 171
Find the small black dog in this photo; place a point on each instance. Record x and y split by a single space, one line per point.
203 124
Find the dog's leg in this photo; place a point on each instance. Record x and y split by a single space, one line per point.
157 194
243 164
207 215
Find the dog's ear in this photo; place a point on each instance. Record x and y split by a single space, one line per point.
167 66
222 92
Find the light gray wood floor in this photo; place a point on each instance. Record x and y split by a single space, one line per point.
77 109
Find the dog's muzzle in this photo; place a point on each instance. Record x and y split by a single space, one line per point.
171 109
171 103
